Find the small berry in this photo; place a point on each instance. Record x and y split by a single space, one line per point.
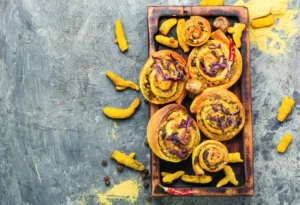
146 171
104 163
146 185
120 168
106 178
149 198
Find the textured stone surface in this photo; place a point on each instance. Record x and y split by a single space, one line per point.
53 135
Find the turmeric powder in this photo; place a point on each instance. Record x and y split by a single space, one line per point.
284 143
128 161
120 36
120 83
170 42
211 3
169 178
203 179
236 32
285 108
117 113
167 25
263 21
185 47
234 157
229 177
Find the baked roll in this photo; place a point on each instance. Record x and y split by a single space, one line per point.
219 113
196 31
172 134
209 63
210 155
163 77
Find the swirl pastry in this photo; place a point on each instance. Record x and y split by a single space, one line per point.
163 77
172 134
196 31
210 155
209 63
219 113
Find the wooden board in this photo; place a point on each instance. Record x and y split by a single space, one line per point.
243 141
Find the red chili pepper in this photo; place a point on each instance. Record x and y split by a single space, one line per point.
231 49
231 53
177 192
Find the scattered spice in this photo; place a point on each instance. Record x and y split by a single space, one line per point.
146 185
128 161
284 143
104 163
106 178
120 168
146 171
107 183
146 143
127 191
149 198
144 176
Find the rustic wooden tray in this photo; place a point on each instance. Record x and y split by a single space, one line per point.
243 141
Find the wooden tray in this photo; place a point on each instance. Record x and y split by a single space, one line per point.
243 141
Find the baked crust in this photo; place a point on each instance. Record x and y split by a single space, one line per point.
172 134
219 113
163 77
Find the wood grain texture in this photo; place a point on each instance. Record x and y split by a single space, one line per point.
243 141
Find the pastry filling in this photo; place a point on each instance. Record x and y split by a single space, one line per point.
177 135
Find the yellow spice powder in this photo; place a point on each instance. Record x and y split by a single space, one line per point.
271 39
127 191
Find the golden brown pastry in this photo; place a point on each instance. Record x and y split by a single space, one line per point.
210 155
209 63
163 77
172 134
196 31
220 115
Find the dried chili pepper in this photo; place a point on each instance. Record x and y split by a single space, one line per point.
231 53
177 192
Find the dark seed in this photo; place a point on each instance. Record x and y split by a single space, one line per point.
104 163
149 198
146 143
146 185
106 178
144 176
107 183
146 171
120 168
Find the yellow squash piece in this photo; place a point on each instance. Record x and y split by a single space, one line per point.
236 32
167 25
234 157
169 178
203 179
128 161
185 47
263 21
284 143
120 83
285 108
211 3
170 42
117 113
120 36
229 177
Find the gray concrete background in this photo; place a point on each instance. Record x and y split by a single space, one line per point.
53 134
